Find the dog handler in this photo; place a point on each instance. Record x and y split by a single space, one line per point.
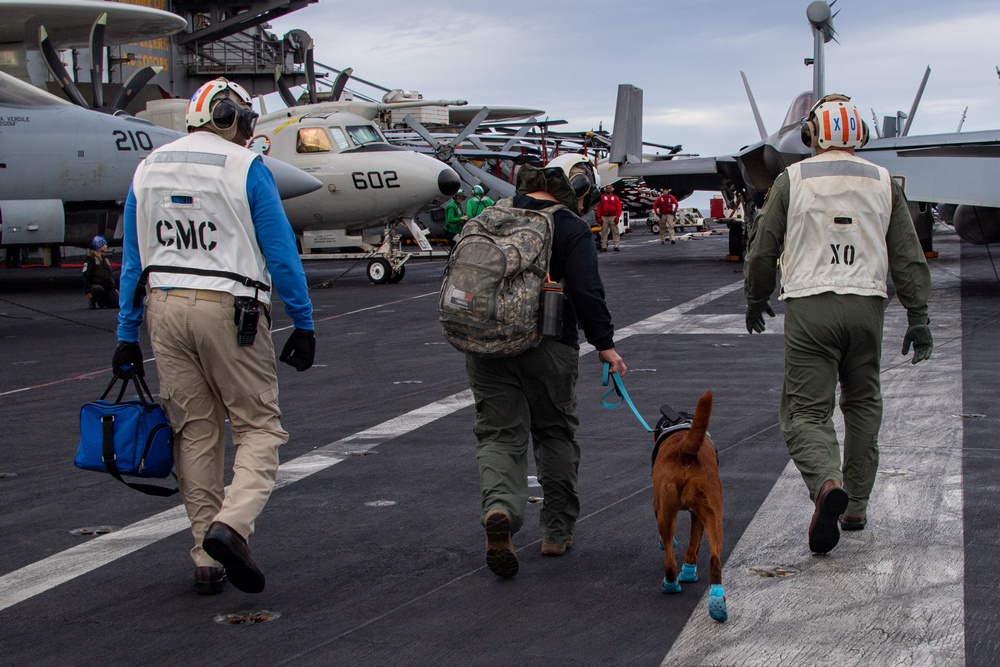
204 225
534 393
838 223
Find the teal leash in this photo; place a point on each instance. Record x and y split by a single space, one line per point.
618 388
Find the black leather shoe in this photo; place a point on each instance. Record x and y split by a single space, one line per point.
209 580
229 548
824 532
853 522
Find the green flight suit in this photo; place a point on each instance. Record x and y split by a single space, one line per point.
832 337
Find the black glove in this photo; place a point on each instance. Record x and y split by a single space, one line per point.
300 349
755 316
127 360
920 336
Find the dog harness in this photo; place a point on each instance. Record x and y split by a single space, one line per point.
670 422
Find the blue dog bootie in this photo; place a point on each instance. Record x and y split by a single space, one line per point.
661 544
670 586
717 603
689 572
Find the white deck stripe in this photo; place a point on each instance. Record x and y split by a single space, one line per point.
59 568
891 594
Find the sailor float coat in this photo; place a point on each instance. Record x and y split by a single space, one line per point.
183 224
839 247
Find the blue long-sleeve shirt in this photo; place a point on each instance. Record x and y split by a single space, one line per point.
274 236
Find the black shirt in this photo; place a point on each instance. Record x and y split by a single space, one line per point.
574 261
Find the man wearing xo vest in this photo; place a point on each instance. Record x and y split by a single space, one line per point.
839 224
205 231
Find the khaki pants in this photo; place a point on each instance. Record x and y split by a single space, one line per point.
206 377
831 338
532 394
609 223
667 221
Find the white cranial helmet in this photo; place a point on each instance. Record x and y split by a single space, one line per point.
834 122
207 107
579 172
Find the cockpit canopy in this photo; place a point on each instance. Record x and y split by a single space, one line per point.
321 139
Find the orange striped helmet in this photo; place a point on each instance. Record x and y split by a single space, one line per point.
834 122
199 107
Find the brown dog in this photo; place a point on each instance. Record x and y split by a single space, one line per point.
686 476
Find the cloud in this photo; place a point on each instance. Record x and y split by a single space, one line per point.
568 58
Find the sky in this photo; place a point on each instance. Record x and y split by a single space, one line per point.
569 57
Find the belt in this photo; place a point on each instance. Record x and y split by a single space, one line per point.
203 294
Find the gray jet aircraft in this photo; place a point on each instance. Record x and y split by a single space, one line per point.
65 171
956 172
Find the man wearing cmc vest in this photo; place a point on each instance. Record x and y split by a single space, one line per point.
204 227
838 224
533 395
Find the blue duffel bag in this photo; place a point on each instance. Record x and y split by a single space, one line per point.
130 437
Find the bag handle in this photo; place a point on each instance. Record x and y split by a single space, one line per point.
137 380
108 456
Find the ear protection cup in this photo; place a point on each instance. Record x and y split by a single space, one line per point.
224 114
580 183
228 117
809 132
223 120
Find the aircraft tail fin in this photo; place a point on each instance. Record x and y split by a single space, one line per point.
626 137
916 101
753 105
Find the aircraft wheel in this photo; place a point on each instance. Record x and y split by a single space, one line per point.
379 271
397 275
654 228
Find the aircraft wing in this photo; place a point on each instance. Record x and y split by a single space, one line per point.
683 175
952 168
465 115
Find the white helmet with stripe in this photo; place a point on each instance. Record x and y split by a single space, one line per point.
203 108
834 122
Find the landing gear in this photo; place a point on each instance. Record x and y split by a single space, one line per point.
379 271
388 265
386 257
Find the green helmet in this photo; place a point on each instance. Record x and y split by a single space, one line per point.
477 191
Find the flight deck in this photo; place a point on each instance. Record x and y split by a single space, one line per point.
371 542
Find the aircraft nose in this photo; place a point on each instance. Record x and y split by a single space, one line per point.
291 181
448 182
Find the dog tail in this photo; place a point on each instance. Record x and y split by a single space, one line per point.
699 426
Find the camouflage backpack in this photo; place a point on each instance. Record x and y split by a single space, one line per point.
492 287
